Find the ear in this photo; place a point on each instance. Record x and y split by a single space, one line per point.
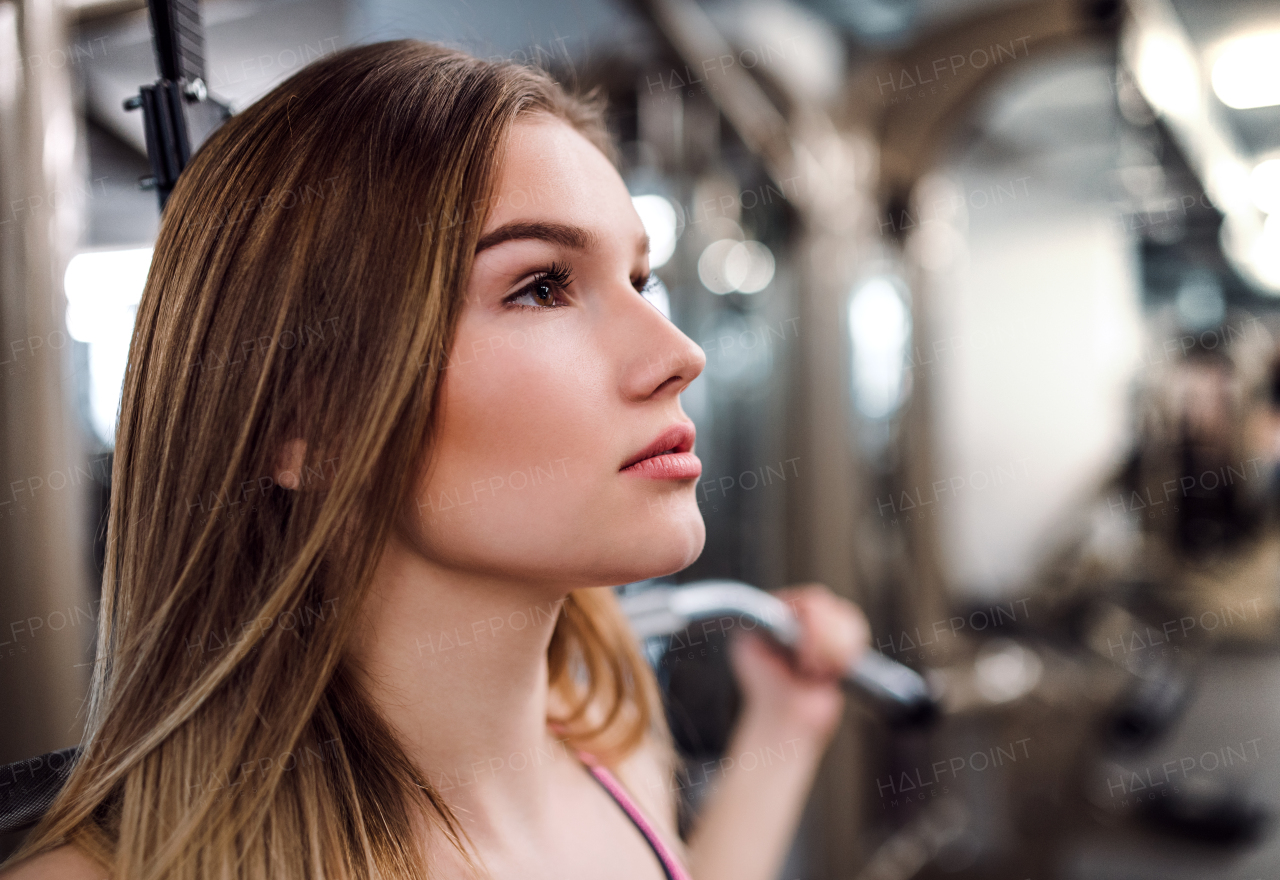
288 468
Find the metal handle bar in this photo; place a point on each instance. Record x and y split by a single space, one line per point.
901 694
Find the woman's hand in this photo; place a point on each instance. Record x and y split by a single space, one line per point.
791 710
801 697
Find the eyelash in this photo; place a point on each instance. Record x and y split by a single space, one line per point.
559 276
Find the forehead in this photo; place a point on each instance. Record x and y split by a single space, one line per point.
549 171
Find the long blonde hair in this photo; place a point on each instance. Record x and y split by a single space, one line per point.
306 283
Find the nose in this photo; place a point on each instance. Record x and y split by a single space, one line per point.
659 360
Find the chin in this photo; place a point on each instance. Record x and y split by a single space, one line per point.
675 547
636 545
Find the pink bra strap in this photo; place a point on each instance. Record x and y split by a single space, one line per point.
670 865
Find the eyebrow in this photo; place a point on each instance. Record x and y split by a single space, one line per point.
563 234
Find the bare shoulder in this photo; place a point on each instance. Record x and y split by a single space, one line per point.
61 863
650 782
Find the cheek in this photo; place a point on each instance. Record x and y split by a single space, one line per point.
527 395
524 448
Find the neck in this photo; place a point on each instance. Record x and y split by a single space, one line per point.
457 664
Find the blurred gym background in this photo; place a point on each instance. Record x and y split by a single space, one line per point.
988 291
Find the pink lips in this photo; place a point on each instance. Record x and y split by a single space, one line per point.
668 457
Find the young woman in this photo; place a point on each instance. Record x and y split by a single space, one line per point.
378 465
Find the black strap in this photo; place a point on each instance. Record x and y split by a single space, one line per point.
28 788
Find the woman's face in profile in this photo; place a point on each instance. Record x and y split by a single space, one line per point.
561 374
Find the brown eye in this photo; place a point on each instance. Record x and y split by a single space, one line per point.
545 290
542 291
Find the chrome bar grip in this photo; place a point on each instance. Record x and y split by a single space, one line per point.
901 694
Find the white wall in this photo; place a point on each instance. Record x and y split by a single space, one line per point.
1031 399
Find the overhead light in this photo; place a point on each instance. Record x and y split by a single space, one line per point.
1265 253
1228 184
728 265
661 225
880 330
103 290
1246 73
657 294
711 268
1167 75
749 266
1264 184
